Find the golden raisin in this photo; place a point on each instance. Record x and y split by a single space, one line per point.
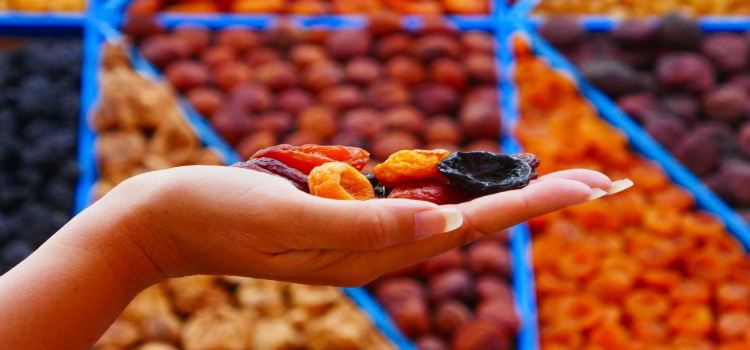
340 181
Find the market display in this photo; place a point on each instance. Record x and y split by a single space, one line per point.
231 313
689 90
384 89
313 7
641 270
38 160
43 5
641 8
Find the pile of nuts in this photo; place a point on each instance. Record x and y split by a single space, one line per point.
230 313
383 89
313 7
460 300
140 127
632 8
641 270
43 5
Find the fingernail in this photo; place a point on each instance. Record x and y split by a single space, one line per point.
619 186
434 222
597 193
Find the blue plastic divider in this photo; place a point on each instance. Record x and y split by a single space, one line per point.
644 143
379 317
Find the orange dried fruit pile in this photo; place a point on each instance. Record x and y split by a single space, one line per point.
641 270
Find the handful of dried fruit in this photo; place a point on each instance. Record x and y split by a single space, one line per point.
436 176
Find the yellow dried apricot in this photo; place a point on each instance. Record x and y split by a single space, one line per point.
403 166
340 181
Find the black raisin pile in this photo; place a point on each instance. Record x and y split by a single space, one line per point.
39 109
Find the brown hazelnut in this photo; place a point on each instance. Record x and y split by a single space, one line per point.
187 75
206 100
393 45
449 72
487 145
256 142
489 258
231 124
406 70
431 342
481 335
432 46
344 44
363 121
320 120
478 41
481 120
199 37
387 94
162 50
350 139
449 316
278 123
453 259
481 67
277 75
251 97
452 284
443 129
140 27
384 22
238 38
300 138
500 311
406 118
295 101
363 70
261 55
493 287
217 56
342 97
385 145
436 99
231 75
304 55
322 75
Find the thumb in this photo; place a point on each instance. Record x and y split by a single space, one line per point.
374 224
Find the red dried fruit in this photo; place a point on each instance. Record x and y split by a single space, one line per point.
453 259
349 139
320 120
262 55
232 125
277 75
443 129
346 44
217 56
481 68
452 284
206 100
450 316
278 123
161 50
283 35
231 75
198 37
489 258
300 138
342 97
478 41
295 101
275 167
492 287
406 118
255 142
429 190
387 94
406 70
449 72
384 22
481 120
390 143
486 145
322 75
433 46
399 289
500 311
304 55
480 335
238 38
187 75
430 342
251 97
305 158
365 122
140 27
340 181
393 45
436 99
411 316
363 70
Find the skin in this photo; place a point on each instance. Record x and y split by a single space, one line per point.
225 221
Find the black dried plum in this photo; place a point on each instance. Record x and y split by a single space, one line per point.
380 190
485 173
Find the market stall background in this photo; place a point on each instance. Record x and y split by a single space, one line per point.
103 22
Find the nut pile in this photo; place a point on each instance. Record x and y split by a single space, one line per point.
202 312
690 90
641 270
383 89
140 126
460 300
639 8
313 7
43 5
38 165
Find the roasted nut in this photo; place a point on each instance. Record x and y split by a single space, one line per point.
453 259
206 100
267 297
366 122
450 316
120 334
392 142
363 70
443 129
452 284
191 294
221 327
320 120
489 258
275 334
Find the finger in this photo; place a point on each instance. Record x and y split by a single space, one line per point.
593 179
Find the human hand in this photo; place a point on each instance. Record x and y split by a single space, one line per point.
228 221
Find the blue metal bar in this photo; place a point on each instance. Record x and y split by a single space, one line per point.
523 8
379 317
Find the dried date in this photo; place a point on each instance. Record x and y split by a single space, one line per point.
277 168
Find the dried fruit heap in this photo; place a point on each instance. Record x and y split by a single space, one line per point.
643 7
690 90
435 176
641 270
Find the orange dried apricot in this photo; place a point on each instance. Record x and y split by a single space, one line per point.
733 325
692 321
664 280
691 292
408 165
581 311
340 181
649 332
733 296
611 337
577 263
646 305
562 335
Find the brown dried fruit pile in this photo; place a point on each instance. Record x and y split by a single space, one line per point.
140 126
202 312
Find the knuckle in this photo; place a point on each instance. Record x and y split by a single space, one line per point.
373 229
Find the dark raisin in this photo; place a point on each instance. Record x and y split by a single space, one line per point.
532 160
485 173
380 190
277 168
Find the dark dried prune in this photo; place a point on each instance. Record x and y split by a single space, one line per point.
729 52
429 190
679 32
699 154
634 33
562 31
485 173
275 167
380 190
685 71
727 103
612 77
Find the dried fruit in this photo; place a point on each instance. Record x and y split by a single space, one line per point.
410 165
484 173
429 190
340 181
275 167
480 334
305 158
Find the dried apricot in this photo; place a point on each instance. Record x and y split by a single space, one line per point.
340 181
407 165
733 325
646 304
430 190
305 158
691 292
693 321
